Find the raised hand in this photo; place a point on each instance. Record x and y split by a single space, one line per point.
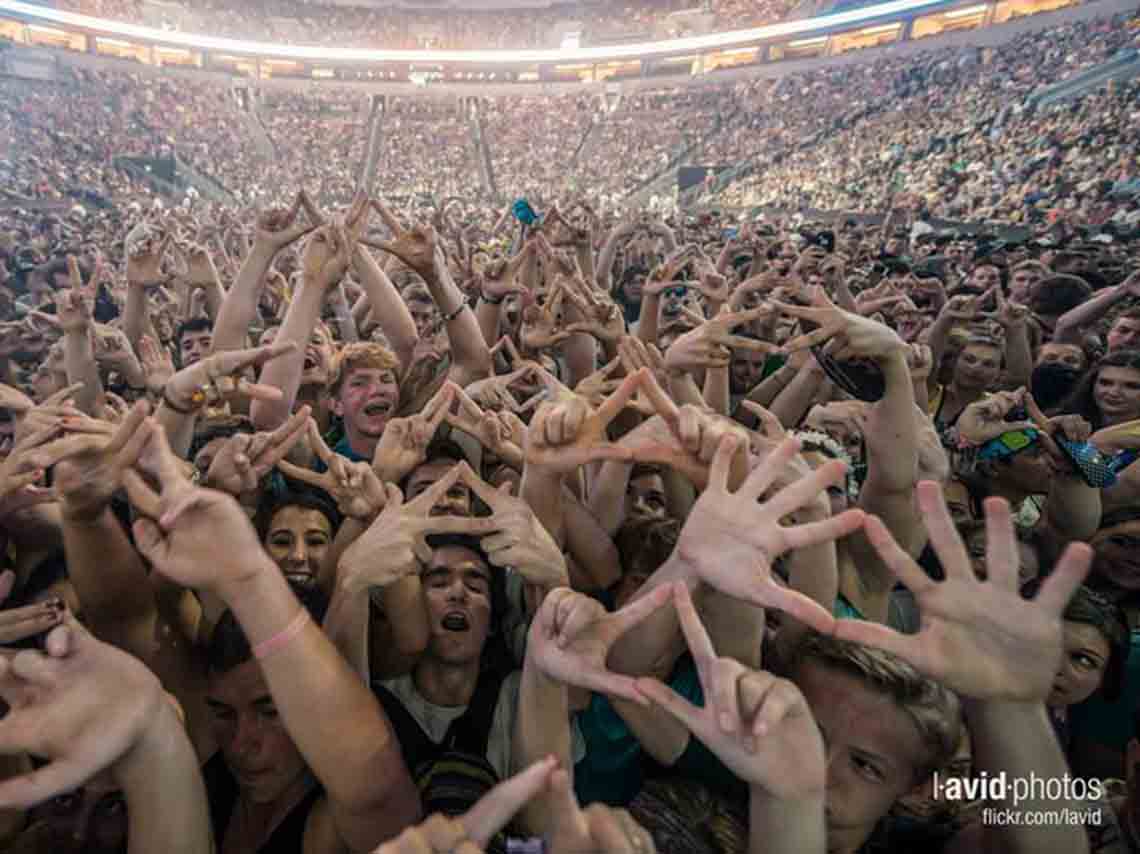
328 252
710 343
469 833
144 261
758 725
515 537
277 228
731 538
73 308
218 377
1009 314
417 247
985 419
571 636
395 545
849 336
500 278
82 705
200 269
89 465
662 276
181 528
403 444
540 323
356 489
567 432
157 364
245 459
979 638
603 319
502 433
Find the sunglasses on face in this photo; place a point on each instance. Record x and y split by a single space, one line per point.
677 292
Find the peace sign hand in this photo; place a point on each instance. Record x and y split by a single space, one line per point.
73 308
403 444
417 247
277 228
758 725
711 342
849 336
500 278
357 491
980 639
244 460
144 262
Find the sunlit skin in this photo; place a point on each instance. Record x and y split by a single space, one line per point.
1116 393
298 540
1085 658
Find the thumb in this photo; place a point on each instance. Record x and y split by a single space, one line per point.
149 539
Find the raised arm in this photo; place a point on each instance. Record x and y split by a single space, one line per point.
275 230
346 739
967 621
1075 323
419 249
326 258
387 306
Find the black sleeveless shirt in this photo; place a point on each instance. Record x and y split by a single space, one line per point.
222 793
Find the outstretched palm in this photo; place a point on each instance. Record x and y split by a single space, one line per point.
978 638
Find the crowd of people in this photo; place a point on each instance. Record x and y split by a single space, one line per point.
400 27
359 507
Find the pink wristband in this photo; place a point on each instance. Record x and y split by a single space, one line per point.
267 647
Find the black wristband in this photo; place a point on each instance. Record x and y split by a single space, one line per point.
447 318
490 301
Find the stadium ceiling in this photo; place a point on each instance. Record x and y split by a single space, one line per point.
314 53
